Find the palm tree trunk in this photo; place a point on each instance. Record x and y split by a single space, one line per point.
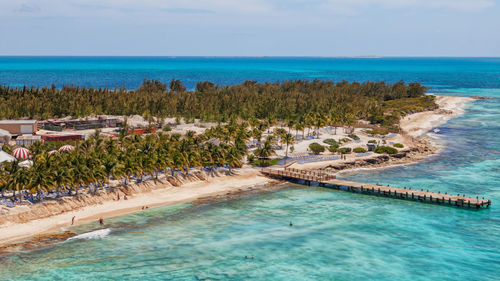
286 152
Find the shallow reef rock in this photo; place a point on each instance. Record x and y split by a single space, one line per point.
38 242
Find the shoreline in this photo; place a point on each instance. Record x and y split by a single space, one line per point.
416 129
155 195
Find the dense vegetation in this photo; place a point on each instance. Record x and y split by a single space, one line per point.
95 161
317 102
299 105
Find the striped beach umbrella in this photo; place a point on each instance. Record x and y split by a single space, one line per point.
52 152
21 153
66 148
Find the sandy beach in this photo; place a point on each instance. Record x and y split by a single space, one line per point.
245 179
415 128
418 124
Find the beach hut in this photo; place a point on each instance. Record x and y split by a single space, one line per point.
21 153
19 127
371 146
27 140
5 157
66 148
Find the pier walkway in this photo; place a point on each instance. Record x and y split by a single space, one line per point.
327 180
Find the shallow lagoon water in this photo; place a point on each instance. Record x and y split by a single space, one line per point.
336 235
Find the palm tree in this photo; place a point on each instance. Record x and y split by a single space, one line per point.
233 158
4 178
129 168
19 180
299 126
287 139
319 122
290 124
266 150
61 178
257 134
38 180
111 167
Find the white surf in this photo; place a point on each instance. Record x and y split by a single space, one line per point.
97 234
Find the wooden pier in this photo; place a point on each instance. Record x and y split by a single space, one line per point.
327 180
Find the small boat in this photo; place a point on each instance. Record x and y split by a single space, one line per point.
436 130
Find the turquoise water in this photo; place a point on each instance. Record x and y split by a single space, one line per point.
336 235
437 73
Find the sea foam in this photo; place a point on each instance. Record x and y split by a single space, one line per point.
97 234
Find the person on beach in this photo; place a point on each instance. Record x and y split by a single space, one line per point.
124 197
101 221
118 197
73 220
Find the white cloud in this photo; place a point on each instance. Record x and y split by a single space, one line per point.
287 9
446 4
27 8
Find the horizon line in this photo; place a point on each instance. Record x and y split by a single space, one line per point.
215 56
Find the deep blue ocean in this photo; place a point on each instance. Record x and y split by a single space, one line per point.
336 235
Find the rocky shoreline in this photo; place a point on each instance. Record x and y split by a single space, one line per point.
417 153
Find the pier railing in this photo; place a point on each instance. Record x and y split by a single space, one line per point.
327 180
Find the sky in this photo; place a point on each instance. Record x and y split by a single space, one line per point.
250 27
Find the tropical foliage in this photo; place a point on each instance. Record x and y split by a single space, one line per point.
247 110
94 162
299 103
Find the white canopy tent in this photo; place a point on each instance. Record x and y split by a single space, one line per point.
5 157
26 164
5 136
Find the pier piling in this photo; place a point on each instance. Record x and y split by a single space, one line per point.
326 180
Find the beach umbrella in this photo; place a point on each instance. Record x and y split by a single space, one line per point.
52 152
66 147
26 164
21 153
5 157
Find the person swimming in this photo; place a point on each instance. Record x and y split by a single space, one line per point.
101 221
291 223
